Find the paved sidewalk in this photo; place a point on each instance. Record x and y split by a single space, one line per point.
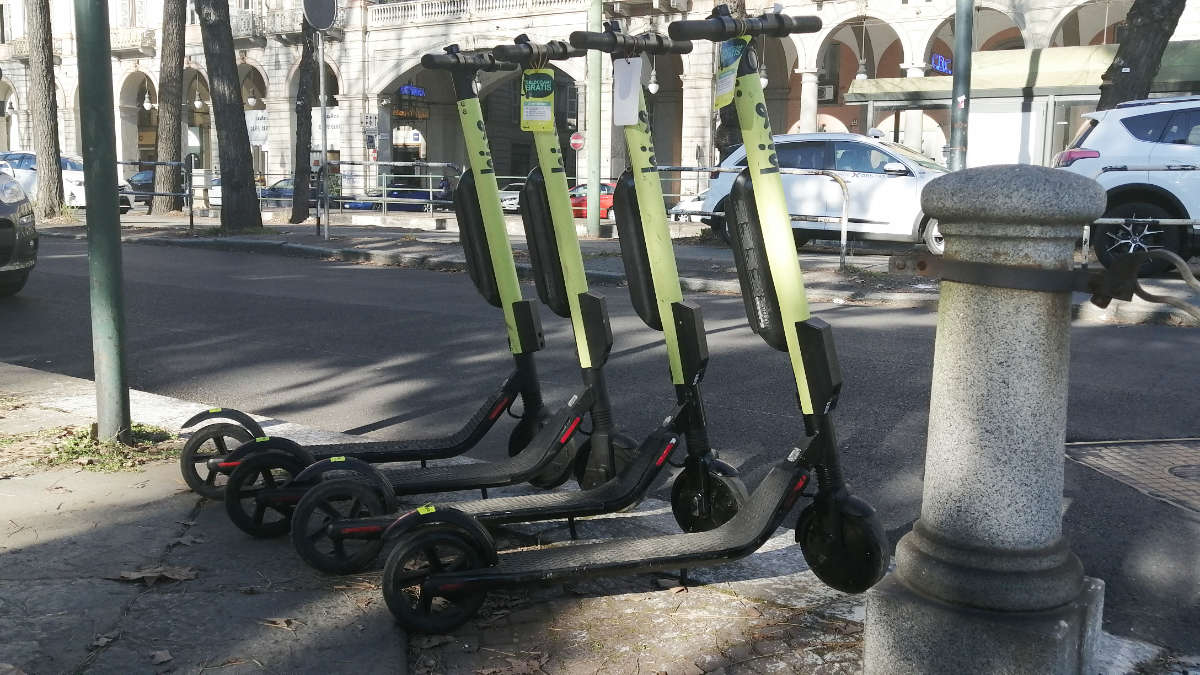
705 265
252 606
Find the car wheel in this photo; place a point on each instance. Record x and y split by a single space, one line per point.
12 282
1111 241
932 236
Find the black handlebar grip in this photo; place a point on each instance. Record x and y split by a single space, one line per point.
601 42
439 61
715 29
658 44
779 25
558 50
512 53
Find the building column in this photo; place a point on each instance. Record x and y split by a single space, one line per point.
914 120
280 138
808 101
695 139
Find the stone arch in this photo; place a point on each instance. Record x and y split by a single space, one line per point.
137 119
10 129
254 84
861 45
994 30
1089 23
197 117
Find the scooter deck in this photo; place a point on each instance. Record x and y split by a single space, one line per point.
542 450
739 537
464 439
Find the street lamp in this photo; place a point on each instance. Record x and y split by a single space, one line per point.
146 104
652 86
198 104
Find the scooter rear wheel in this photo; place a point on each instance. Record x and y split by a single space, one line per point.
325 504
848 553
263 471
698 511
213 441
414 558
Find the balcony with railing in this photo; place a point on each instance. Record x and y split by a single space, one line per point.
418 12
132 42
248 29
285 24
17 49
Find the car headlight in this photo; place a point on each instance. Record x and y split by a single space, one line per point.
11 192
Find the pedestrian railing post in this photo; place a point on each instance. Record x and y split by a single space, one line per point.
188 171
985 582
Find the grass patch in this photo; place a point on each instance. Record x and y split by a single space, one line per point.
79 446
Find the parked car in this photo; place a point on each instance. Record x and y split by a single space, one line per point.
579 199
884 181
23 166
18 237
510 196
212 194
142 182
1148 133
681 210
278 193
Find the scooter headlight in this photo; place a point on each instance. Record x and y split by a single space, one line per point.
11 192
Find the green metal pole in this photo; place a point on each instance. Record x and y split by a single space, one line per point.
103 218
595 67
960 104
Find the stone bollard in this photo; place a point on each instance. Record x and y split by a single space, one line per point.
985 583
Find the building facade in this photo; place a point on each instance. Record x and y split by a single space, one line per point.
383 106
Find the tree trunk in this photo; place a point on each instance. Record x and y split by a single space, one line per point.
44 110
1150 25
305 95
170 108
239 200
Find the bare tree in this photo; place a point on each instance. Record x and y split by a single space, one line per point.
239 199
1150 26
305 95
170 107
49 197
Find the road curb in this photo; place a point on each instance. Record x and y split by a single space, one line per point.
1082 310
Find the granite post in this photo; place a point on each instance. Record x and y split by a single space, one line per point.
985 581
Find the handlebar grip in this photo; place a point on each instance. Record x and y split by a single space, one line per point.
661 45
779 25
601 42
715 29
512 53
439 61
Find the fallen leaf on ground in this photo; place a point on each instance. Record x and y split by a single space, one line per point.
104 640
161 656
284 623
154 574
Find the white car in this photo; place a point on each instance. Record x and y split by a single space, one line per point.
883 181
23 166
510 197
687 205
1145 137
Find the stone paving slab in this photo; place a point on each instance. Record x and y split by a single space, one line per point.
1165 470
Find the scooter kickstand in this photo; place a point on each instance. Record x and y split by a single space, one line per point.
483 491
683 577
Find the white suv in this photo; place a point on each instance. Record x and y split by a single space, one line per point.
1137 151
883 181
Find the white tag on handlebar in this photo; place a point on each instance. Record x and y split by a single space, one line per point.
627 84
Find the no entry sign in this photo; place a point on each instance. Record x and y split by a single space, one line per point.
576 141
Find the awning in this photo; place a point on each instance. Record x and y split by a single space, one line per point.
1034 72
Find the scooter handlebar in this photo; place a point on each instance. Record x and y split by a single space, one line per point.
527 52
457 60
721 28
612 43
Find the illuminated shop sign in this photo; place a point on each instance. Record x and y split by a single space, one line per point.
940 63
411 90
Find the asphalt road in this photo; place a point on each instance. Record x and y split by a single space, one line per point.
409 353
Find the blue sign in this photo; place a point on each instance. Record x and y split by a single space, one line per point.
411 90
940 63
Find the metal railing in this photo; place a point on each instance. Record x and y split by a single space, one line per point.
416 12
186 169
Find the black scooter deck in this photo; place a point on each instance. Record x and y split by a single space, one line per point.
741 536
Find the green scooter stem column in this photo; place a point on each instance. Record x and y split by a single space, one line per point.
664 273
773 217
479 156
569 255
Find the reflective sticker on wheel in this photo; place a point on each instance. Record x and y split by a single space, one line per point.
262 439
214 410
426 509
337 459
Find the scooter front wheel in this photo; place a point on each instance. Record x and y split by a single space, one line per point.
325 505
213 441
699 509
253 496
843 543
419 555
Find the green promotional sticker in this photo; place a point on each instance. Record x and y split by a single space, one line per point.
730 56
425 509
262 439
337 459
214 410
537 100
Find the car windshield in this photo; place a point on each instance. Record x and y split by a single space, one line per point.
69 164
142 176
514 187
914 156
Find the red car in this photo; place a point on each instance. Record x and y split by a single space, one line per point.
579 199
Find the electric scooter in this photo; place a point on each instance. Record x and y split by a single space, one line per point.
444 562
705 495
270 474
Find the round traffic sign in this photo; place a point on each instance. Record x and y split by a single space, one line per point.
576 141
320 13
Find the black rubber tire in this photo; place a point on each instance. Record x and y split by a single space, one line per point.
11 283
932 237
720 225
852 568
410 562
559 470
727 495
1108 240
271 468
210 442
335 500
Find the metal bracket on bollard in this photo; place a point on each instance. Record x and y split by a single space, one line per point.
1117 282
